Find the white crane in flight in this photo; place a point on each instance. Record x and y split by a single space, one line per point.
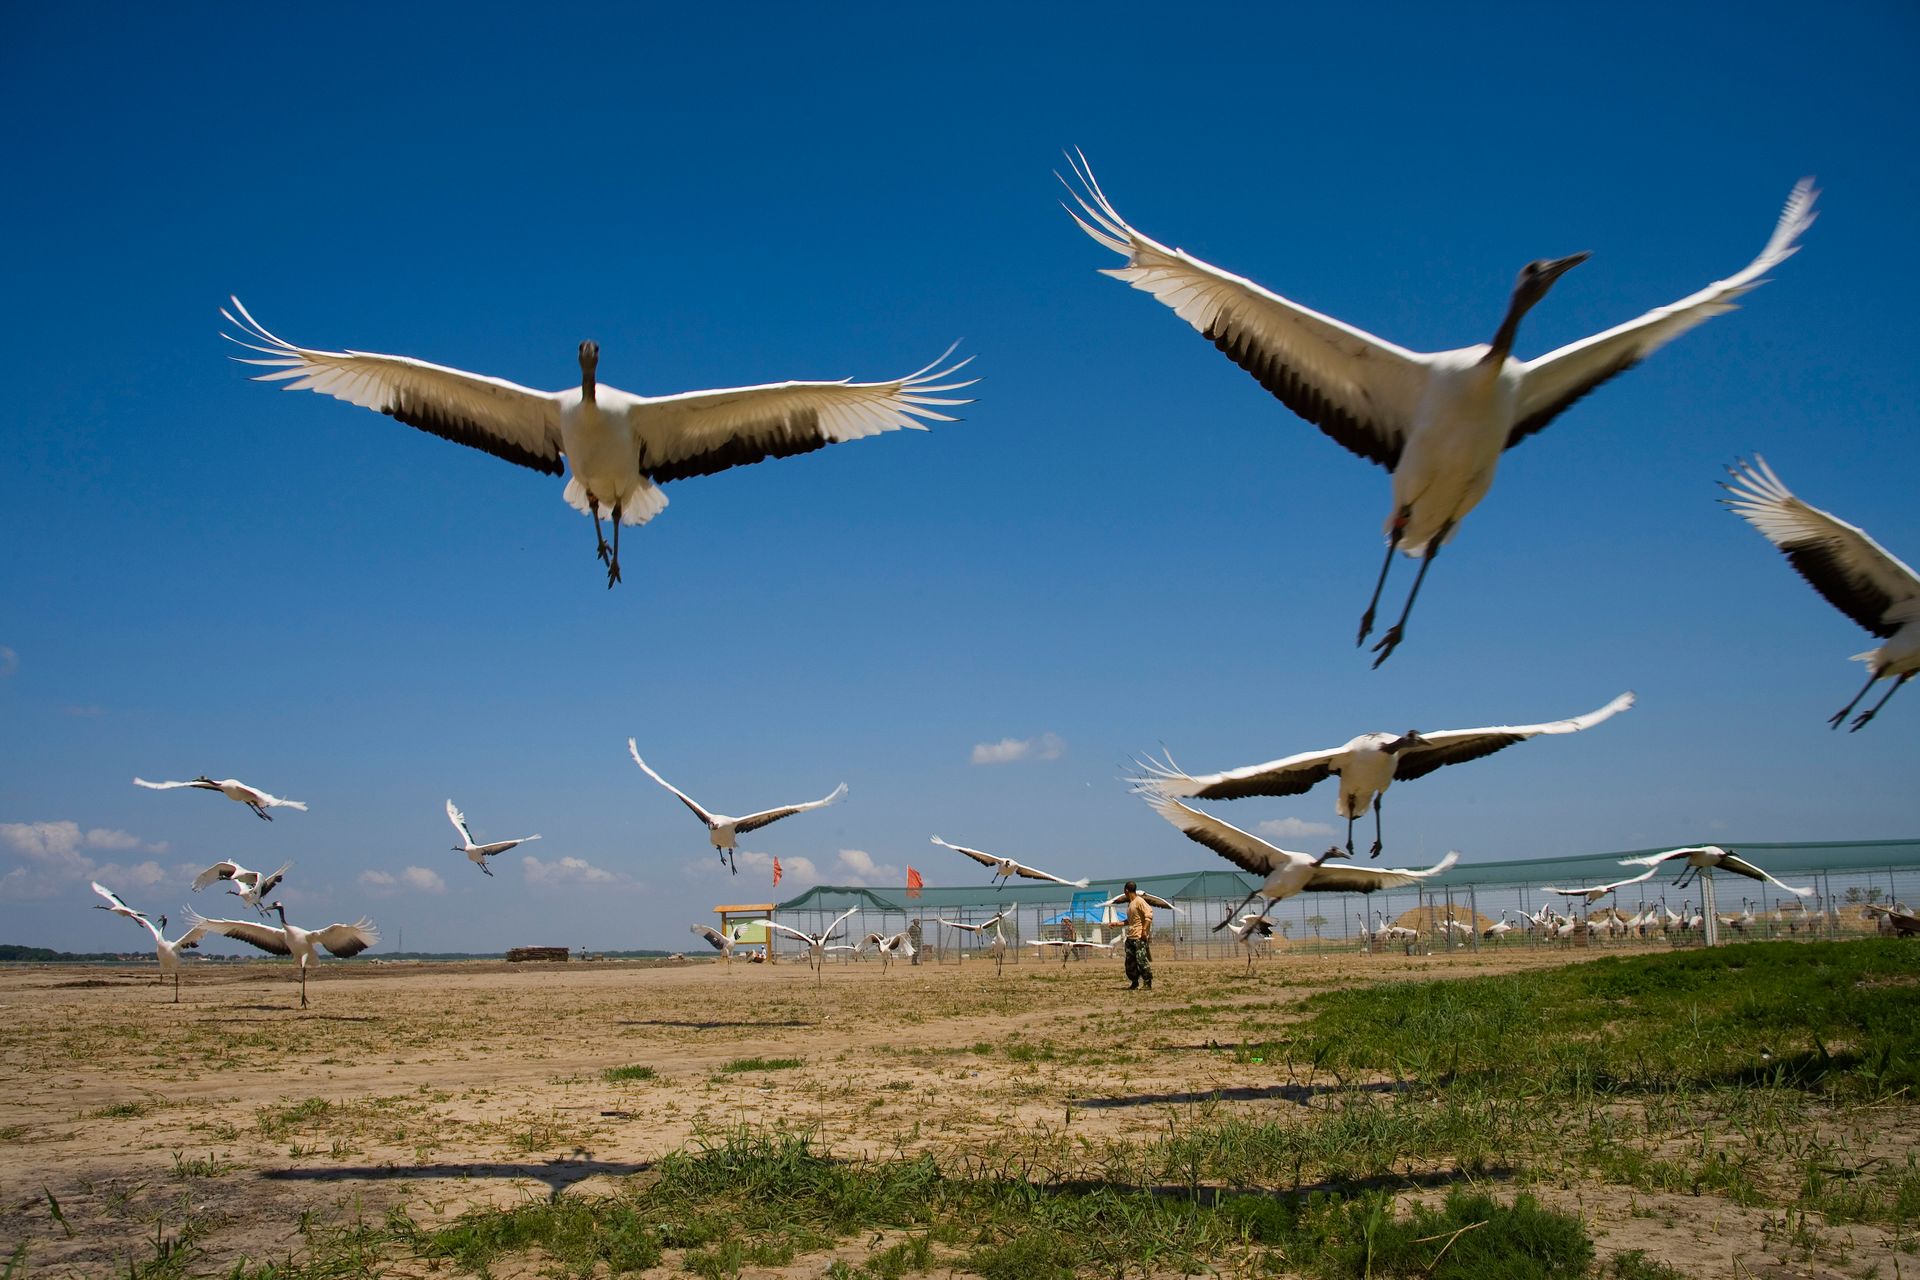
167 953
1437 421
233 789
478 854
622 447
722 830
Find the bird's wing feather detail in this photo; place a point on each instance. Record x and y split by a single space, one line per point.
984 859
1034 873
459 821
687 800
162 786
1361 391
700 432
348 939
1740 866
1857 575
1248 852
1554 381
1292 776
1455 746
502 418
218 871
1349 879
266 937
754 821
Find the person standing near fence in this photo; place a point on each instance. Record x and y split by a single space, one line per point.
1139 939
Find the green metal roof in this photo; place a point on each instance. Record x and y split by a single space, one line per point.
1785 860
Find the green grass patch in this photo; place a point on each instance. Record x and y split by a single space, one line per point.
277 1122
615 1075
1840 1018
761 1064
123 1110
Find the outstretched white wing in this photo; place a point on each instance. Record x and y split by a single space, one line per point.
266 937
1555 380
348 939
1857 575
1289 776
754 821
700 432
1344 878
1243 849
169 786
1456 746
218 871
685 799
459 821
1740 866
1362 391
502 418
984 859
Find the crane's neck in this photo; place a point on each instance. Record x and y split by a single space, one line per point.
1502 345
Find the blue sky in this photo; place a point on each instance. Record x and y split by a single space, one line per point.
1125 543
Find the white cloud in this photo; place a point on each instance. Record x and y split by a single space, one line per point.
567 872
425 879
141 875
1288 828
9 662
1048 746
385 883
54 852
856 866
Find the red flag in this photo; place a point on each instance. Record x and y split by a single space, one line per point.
776 871
914 883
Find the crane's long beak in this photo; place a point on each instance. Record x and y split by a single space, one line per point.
1560 266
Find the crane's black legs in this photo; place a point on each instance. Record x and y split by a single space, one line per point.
604 551
176 986
1391 641
303 986
260 811
613 562
1350 834
1393 544
1376 828
1841 714
1861 720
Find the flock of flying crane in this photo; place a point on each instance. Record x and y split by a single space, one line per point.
1437 421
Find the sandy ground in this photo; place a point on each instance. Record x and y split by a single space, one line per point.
440 1087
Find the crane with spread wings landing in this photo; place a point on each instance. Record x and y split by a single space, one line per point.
816 942
722 831
1437 421
724 942
1284 872
1857 575
1006 868
622 447
1366 765
343 940
167 953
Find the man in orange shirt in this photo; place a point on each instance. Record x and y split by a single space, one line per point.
1139 938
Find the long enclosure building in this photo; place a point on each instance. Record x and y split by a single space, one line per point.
1464 909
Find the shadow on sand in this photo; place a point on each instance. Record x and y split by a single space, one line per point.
558 1174
1299 1093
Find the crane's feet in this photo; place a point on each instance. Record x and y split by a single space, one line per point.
605 549
1375 851
1860 721
1834 720
1366 627
258 812
613 572
1387 644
